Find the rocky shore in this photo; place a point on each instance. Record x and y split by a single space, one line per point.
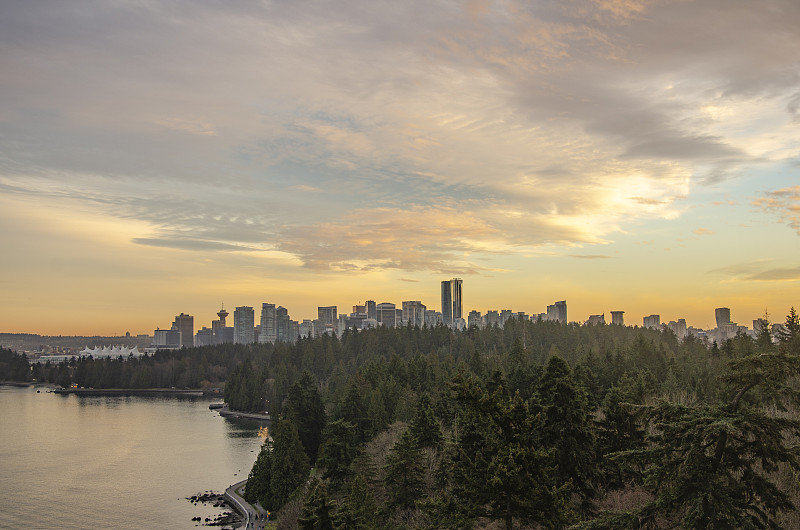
229 518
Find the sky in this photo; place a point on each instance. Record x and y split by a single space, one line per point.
159 157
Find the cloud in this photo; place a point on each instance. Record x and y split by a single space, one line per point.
759 271
785 203
189 244
703 232
307 188
589 256
398 137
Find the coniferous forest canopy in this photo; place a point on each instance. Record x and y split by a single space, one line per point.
536 425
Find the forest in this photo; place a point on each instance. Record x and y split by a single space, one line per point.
533 425
536 425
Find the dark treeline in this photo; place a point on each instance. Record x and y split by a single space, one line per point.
186 368
535 425
14 366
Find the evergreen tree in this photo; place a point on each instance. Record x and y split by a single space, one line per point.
497 468
337 452
709 466
790 334
353 409
358 510
305 409
404 472
318 508
567 428
424 427
289 466
259 480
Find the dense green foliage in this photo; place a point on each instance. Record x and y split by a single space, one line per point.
14 366
537 424
206 367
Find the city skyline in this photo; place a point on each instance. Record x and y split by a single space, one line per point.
164 157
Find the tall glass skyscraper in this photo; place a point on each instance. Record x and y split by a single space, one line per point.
243 325
451 301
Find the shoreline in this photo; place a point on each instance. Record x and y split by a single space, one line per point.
133 392
225 412
255 514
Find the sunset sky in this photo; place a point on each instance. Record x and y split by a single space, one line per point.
159 157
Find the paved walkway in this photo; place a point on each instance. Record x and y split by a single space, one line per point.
255 516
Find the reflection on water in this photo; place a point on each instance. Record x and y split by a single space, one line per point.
114 461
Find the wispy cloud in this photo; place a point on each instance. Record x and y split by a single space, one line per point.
785 203
400 137
760 270
703 232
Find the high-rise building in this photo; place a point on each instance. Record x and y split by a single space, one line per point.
372 310
618 318
204 337
282 325
723 316
328 315
491 319
678 328
652 322
269 331
387 314
558 312
167 339
414 313
474 319
595 320
433 318
451 301
294 331
185 324
243 325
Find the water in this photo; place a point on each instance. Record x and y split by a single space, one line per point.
114 462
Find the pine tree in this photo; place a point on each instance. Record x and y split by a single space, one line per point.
424 427
337 452
318 508
353 409
305 409
259 480
404 472
289 466
790 334
567 428
497 468
710 465
358 510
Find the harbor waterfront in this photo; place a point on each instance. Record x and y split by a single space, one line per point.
70 461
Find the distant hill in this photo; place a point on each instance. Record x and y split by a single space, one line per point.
30 342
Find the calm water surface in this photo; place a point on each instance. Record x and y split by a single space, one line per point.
114 462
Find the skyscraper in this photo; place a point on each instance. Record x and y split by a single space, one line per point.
282 325
269 331
185 324
558 312
451 301
414 313
328 315
723 316
652 321
387 314
618 318
243 325
372 309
